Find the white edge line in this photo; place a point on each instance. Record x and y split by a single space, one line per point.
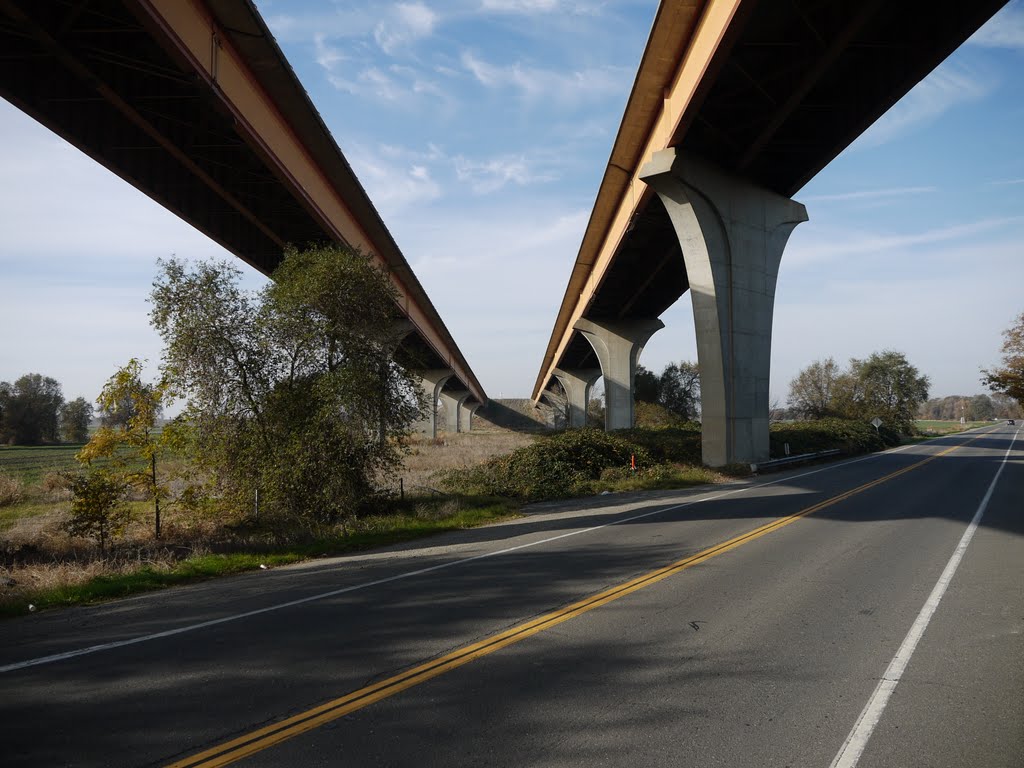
857 740
419 572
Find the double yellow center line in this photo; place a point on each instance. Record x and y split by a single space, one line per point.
268 736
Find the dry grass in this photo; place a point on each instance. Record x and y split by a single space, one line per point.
12 490
37 555
454 451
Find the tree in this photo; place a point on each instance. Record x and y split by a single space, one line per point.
30 410
646 386
74 420
811 392
981 408
98 510
886 386
679 389
133 445
1008 378
288 390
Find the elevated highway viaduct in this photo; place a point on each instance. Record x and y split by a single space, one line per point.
736 105
193 103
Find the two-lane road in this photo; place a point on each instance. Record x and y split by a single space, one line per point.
869 612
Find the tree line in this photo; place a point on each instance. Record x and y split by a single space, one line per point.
885 385
970 408
33 412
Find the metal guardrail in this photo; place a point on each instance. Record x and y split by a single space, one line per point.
763 466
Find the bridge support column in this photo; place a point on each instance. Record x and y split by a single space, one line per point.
618 347
732 234
577 385
466 413
432 381
453 409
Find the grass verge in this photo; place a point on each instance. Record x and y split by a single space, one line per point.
414 519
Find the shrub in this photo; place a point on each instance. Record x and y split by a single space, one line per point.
98 509
554 467
678 444
849 436
55 486
12 490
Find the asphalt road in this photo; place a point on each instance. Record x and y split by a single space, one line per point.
746 625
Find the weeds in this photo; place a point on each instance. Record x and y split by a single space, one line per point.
12 490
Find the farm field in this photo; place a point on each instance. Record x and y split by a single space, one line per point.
936 427
30 463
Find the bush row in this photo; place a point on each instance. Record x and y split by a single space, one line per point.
851 437
556 466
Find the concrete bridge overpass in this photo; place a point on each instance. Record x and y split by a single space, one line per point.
736 105
193 103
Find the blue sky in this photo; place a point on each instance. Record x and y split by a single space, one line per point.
480 129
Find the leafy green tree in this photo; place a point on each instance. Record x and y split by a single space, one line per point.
288 390
679 389
811 391
98 509
646 386
1008 378
134 445
30 409
885 385
676 389
74 420
981 408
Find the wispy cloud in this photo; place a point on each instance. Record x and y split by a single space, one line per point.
393 183
871 194
832 245
493 174
339 23
944 89
406 23
536 7
1006 182
395 83
536 83
1004 30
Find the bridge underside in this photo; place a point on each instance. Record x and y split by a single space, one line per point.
767 94
194 105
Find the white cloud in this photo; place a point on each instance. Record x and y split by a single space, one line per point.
1006 182
1004 30
406 23
392 183
339 23
828 245
491 175
520 6
552 86
944 89
395 84
531 7
870 194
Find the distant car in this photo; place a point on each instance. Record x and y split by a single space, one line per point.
1010 421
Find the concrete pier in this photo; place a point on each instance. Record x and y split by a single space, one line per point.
618 347
732 235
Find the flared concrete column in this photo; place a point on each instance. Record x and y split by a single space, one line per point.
732 234
559 405
618 347
577 384
432 382
466 412
453 409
